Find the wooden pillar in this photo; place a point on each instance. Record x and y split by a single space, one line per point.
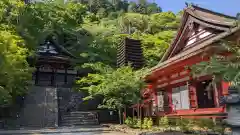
193 95
225 86
169 94
216 94
140 114
124 113
138 111
155 98
133 112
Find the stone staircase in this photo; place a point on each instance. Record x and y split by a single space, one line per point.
79 118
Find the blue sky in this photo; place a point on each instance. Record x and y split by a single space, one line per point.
228 7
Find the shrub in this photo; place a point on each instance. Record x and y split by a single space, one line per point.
182 123
129 121
164 123
191 124
134 121
145 122
139 123
149 123
205 124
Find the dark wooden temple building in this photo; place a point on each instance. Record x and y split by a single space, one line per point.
130 52
54 65
172 90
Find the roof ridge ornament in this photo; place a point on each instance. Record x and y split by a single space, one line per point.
190 5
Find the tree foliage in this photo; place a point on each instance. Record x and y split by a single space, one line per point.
89 29
224 66
23 27
119 87
154 28
14 69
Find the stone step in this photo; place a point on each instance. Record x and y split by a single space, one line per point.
79 123
79 118
79 112
76 120
64 119
79 115
73 118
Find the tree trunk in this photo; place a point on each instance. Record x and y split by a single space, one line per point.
120 115
125 112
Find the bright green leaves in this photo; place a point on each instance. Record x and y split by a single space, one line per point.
14 70
119 87
42 19
163 21
154 46
131 21
144 7
10 10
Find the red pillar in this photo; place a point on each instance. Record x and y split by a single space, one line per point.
193 95
225 86
169 92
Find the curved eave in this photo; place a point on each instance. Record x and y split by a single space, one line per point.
213 12
224 22
200 14
179 31
189 53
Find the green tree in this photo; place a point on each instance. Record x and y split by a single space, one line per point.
153 8
130 21
14 69
89 29
222 66
118 87
101 13
154 46
132 7
23 27
163 21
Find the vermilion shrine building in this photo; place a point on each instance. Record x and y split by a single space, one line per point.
172 90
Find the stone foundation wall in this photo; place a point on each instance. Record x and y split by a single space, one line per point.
40 108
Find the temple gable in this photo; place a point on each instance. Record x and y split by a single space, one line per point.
197 28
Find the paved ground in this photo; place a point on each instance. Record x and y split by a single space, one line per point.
93 130
87 133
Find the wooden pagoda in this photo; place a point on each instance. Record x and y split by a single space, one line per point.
130 52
